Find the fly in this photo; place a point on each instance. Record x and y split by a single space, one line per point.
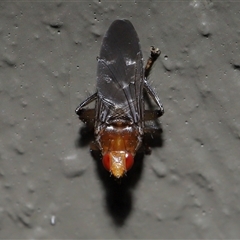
119 115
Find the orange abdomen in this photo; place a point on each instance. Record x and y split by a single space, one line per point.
118 138
118 146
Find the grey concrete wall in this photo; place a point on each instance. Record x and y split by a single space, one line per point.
51 187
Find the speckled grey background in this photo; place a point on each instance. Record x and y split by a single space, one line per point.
51 187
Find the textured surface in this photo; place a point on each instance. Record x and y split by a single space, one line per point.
51 187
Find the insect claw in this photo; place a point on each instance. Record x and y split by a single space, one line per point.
155 53
160 112
78 111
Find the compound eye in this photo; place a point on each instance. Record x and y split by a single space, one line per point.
129 161
106 161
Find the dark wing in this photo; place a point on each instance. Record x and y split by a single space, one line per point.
120 75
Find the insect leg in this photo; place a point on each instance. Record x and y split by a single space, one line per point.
151 115
154 96
85 103
86 115
155 53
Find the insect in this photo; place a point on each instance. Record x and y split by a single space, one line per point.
119 115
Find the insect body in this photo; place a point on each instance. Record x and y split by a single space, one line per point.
119 115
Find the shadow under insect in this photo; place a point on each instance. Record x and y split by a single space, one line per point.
119 193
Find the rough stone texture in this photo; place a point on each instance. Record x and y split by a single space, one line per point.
50 185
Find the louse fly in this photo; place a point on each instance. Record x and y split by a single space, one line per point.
119 115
